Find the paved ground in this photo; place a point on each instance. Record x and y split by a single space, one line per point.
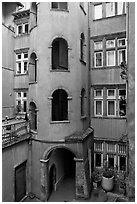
66 193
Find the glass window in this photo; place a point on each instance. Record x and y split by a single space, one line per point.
110 58
22 66
111 147
121 56
121 8
111 93
98 59
110 43
21 101
98 160
98 108
26 28
111 108
98 146
98 45
19 56
25 55
122 163
20 29
122 148
110 9
97 11
59 5
122 42
98 93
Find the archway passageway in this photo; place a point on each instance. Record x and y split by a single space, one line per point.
61 175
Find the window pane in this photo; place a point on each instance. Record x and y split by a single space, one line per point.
110 9
19 68
111 161
54 4
122 149
111 147
122 165
98 93
19 56
110 58
19 94
98 45
122 56
25 94
63 5
26 28
122 42
98 62
98 107
25 106
25 55
98 160
111 107
121 8
98 146
25 67
110 43
111 92
97 11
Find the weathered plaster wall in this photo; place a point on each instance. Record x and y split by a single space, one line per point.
131 100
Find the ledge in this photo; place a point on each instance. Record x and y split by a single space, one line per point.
59 122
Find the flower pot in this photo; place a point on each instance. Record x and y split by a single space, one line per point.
108 183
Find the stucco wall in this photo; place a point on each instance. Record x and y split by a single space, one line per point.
11 158
59 24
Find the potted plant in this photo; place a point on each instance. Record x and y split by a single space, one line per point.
108 179
96 178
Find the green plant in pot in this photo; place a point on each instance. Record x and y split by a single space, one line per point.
108 179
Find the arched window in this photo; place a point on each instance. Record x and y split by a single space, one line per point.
59 105
82 47
83 94
59 54
33 68
33 116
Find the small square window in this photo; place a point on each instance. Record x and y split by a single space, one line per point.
98 45
97 11
122 42
110 43
98 93
111 93
25 55
19 56
25 94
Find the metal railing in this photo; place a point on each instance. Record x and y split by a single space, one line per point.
13 131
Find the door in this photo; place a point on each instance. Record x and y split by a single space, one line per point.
20 181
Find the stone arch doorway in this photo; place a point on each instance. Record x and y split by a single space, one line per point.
58 175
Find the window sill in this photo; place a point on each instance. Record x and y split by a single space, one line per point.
82 61
58 9
109 17
31 83
21 74
59 122
83 117
59 70
109 117
22 35
107 67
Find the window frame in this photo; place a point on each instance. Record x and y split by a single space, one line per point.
21 61
101 154
95 15
114 57
108 148
119 55
58 6
95 65
114 12
22 99
111 100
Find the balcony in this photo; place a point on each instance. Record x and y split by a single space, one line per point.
14 131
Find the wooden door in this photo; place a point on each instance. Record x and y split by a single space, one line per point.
20 181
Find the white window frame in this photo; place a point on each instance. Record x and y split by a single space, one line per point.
114 159
111 97
23 29
118 13
95 59
99 115
118 40
114 147
98 97
97 149
113 14
22 61
114 57
110 46
95 160
119 57
96 44
96 17
114 107
21 99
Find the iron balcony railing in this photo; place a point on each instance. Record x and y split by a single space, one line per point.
14 131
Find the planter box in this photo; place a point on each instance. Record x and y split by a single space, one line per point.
108 183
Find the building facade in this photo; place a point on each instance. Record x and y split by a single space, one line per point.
67 76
